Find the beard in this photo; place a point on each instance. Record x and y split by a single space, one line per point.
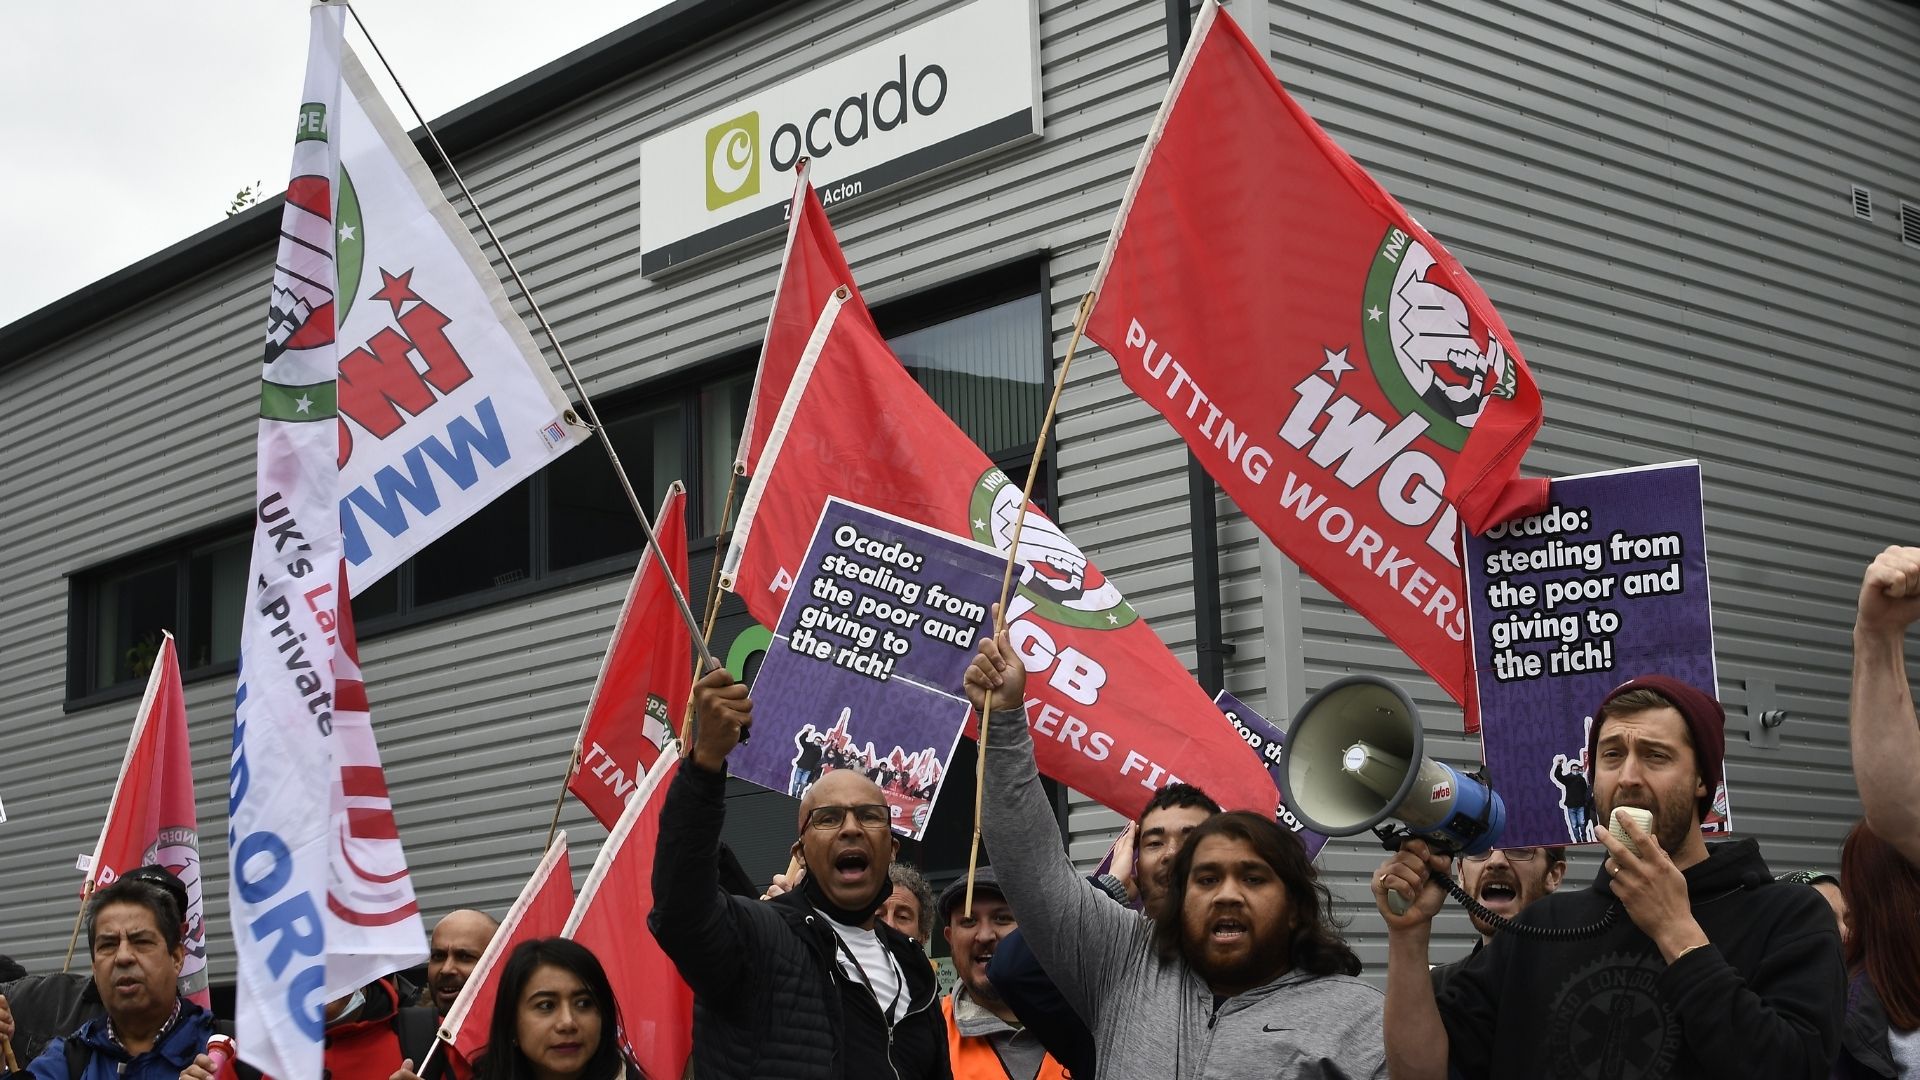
1674 816
1267 958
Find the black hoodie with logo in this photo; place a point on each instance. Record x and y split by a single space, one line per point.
1765 999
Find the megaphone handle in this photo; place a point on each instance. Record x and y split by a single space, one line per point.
1397 904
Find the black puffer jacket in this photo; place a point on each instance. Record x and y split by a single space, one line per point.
769 1000
48 1007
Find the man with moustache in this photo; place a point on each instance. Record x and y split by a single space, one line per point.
985 1040
1505 883
1714 970
808 984
1242 975
149 1032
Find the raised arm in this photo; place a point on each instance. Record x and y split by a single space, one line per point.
693 918
1082 938
1416 1039
1886 735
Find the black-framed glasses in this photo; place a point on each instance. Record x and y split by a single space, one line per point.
869 815
1519 854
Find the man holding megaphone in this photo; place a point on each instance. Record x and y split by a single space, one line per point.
1714 972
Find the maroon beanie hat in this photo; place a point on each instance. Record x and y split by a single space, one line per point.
1706 723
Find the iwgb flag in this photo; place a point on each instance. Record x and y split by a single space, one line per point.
1337 372
319 892
540 911
151 818
443 399
1114 714
645 677
610 918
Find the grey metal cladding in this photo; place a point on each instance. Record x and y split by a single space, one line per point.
1658 201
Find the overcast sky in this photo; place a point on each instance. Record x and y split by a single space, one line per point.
126 127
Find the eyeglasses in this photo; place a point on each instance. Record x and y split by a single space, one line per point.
1519 854
869 815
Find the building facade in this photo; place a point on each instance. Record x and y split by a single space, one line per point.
1701 222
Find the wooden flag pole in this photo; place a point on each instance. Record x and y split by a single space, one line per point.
1006 581
86 893
573 762
590 415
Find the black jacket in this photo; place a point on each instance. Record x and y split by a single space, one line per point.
769 1000
48 1007
1866 1054
1764 999
1029 991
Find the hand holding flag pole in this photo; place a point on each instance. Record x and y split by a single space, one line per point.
590 415
1006 583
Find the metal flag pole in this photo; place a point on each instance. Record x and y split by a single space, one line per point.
1006 582
586 403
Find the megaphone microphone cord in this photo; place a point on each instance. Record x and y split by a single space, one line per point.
1504 925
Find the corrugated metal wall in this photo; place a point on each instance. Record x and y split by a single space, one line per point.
1655 196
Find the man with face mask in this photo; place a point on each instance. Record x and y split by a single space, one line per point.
808 983
1708 969
1242 974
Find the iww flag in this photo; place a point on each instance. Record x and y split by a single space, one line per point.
320 897
444 402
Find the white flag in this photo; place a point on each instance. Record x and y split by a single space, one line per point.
320 897
445 402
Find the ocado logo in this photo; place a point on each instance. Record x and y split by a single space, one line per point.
859 117
733 160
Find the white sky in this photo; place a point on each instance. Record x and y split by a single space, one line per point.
126 127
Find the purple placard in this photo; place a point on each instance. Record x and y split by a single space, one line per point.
1608 584
865 669
1266 742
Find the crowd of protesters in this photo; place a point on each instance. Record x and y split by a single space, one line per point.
1210 950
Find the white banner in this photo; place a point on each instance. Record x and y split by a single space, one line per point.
320 897
445 401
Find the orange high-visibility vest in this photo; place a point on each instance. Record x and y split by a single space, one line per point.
974 1058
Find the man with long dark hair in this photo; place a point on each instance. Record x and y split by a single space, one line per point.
1242 974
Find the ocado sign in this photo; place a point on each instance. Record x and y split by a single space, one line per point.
932 95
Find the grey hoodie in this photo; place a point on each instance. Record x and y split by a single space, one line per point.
1155 1019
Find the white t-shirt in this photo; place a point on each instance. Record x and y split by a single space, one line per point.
876 964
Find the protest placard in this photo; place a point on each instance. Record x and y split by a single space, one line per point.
1267 742
1608 584
866 666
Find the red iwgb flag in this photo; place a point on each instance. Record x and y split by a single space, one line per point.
645 678
1333 367
610 918
1114 714
151 819
540 912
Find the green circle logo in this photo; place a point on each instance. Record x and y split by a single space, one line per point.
1054 575
1429 352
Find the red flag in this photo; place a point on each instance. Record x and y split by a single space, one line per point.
812 268
610 918
645 678
1114 714
151 819
1336 370
539 912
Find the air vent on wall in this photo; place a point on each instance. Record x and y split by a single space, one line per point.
1862 203
1909 223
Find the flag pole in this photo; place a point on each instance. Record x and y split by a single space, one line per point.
573 762
1006 580
86 891
586 403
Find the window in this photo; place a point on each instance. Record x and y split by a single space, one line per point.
979 348
117 612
